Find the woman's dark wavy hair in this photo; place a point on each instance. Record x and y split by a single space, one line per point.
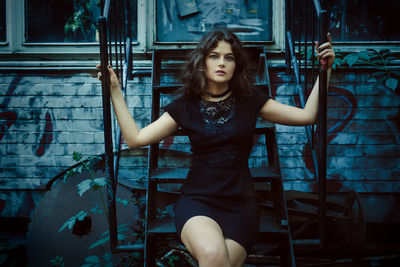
194 77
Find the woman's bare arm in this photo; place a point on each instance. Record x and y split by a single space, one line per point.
276 112
135 137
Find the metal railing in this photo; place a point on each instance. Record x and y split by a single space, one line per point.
307 20
116 50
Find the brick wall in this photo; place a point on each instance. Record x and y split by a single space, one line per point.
45 117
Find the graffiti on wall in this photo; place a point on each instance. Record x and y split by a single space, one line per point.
21 203
7 118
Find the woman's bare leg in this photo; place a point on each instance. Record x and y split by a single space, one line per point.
203 237
237 253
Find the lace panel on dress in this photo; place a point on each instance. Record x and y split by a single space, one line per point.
217 114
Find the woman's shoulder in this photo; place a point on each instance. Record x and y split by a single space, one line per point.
179 103
255 100
253 95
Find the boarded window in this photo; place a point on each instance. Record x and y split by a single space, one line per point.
187 20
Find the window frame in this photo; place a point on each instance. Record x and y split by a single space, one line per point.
5 46
15 53
277 43
16 45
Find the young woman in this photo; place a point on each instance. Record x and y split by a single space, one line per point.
216 215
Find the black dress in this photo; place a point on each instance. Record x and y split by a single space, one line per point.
219 184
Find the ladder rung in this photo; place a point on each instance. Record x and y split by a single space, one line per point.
169 175
178 175
162 226
262 125
269 225
264 174
167 226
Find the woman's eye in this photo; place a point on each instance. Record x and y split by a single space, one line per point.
213 56
230 58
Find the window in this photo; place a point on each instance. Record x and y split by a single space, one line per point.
3 36
364 20
61 21
188 20
53 29
69 21
66 30
354 21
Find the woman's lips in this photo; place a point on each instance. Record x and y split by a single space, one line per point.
220 72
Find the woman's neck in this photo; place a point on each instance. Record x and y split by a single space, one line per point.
217 95
217 89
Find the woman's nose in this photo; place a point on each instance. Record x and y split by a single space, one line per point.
221 61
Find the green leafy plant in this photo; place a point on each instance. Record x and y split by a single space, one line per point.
96 184
311 56
71 221
161 213
82 164
106 235
94 261
81 22
58 262
379 61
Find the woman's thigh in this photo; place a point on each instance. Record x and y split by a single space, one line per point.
200 234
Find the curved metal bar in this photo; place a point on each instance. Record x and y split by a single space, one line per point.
302 99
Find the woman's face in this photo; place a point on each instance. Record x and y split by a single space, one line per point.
220 63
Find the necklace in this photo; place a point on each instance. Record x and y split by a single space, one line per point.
220 96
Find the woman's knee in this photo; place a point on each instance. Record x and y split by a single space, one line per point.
204 239
210 254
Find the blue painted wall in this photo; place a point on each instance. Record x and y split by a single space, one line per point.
45 117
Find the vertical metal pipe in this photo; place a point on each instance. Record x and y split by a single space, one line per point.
109 29
322 114
121 41
109 171
305 45
120 35
128 26
298 31
118 56
287 29
115 31
314 18
123 21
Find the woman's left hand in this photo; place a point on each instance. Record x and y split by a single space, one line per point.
325 53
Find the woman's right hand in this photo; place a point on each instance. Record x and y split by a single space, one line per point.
114 82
